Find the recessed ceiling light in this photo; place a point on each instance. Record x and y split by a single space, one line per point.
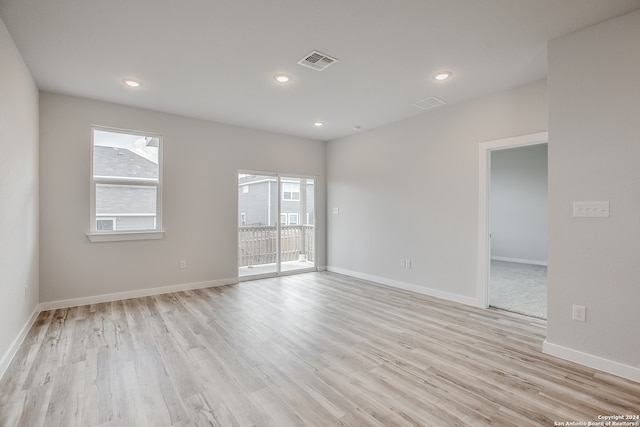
442 75
282 78
132 83
318 124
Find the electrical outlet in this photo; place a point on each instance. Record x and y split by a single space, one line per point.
403 263
183 263
407 263
580 313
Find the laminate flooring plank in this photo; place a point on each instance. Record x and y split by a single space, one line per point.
286 381
65 405
12 410
230 403
316 349
357 404
151 397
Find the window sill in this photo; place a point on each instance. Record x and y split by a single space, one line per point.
125 236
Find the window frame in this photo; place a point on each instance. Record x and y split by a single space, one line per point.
291 186
157 232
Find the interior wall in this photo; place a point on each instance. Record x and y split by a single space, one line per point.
410 191
594 155
519 204
19 276
201 160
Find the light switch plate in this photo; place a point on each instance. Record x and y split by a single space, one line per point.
591 209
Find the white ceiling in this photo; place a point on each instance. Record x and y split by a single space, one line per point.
215 59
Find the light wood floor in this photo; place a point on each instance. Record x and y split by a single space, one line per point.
316 349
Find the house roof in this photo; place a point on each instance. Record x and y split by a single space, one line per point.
216 59
121 162
118 199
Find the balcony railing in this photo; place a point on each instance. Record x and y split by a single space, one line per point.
257 245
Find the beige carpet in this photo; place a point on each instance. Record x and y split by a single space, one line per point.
520 288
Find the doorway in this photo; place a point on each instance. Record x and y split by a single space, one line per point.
509 272
276 224
518 230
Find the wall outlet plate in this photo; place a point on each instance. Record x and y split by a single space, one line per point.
580 313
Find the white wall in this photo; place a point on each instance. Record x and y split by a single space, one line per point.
410 191
201 160
594 155
519 204
18 196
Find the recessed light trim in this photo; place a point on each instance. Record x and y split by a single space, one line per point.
318 124
131 83
442 75
282 78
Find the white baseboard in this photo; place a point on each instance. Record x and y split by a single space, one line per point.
409 287
15 345
74 302
519 260
625 371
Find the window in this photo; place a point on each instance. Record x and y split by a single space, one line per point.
105 224
243 218
293 219
245 189
125 181
283 219
290 191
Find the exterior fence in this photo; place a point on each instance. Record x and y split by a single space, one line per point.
258 245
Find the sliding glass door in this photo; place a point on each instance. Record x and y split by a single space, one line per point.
297 229
276 224
257 224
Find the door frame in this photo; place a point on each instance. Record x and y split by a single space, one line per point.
278 176
484 217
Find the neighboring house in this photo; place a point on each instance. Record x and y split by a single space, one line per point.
124 207
257 201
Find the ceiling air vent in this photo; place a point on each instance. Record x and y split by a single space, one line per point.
429 103
316 60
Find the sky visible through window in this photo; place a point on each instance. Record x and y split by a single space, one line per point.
144 146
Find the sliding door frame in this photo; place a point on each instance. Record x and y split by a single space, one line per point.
278 176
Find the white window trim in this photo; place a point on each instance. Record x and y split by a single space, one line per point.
116 236
121 236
